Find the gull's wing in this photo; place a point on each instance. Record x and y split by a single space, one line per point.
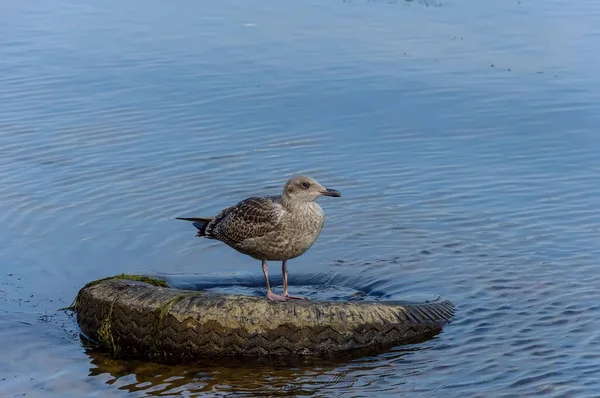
250 218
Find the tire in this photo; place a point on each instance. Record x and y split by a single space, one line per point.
131 318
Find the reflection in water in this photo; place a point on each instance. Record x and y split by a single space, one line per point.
272 376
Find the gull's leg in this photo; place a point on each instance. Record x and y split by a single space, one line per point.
270 295
285 287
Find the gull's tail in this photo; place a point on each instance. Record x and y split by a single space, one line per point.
199 222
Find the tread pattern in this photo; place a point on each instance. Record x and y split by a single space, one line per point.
135 319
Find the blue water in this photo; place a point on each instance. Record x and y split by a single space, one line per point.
463 137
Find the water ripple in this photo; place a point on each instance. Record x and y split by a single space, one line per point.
466 153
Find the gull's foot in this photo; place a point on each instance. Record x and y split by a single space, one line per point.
276 297
295 297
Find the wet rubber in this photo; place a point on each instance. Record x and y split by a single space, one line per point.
130 318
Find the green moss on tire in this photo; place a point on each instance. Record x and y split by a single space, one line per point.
140 278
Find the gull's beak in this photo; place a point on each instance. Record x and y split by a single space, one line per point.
331 192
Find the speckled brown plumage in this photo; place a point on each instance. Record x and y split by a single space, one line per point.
271 227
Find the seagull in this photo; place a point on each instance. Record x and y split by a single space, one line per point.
271 228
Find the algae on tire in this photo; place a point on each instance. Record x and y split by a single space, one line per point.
131 318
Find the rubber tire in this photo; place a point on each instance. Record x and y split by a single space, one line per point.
135 319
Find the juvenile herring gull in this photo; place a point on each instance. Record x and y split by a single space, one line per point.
271 228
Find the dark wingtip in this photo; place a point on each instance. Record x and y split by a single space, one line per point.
199 225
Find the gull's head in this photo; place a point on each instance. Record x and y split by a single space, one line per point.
307 189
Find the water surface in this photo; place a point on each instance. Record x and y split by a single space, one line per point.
463 136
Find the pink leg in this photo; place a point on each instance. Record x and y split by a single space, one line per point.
285 287
270 295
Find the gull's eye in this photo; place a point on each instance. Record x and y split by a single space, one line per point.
305 185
